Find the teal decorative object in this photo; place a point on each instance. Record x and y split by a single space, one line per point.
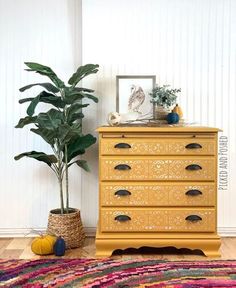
172 118
59 247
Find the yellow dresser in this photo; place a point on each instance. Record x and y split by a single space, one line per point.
157 188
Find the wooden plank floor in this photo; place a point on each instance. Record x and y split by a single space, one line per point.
19 248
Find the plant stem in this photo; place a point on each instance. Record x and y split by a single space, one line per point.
60 176
67 180
61 195
55 169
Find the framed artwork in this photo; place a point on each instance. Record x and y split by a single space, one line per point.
132 93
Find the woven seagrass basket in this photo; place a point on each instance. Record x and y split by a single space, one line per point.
68 226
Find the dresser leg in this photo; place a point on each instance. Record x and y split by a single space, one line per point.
209 246
103 253
102 249
212 248
212 253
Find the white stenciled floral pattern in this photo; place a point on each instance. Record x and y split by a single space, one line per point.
158 195
177 195
179 222
158 147
155 220
178 171
138 171
158 169
168 194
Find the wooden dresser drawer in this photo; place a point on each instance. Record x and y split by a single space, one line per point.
157 220
157 188
157 168
157 146
157 194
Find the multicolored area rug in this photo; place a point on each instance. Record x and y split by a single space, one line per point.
99 273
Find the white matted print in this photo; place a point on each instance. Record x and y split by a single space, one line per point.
132 93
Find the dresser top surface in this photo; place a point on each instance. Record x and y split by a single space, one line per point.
161 129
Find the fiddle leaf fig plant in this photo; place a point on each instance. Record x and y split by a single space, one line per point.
61 125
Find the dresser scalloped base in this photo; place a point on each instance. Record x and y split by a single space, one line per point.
209 246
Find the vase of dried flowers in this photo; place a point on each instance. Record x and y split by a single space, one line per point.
163 99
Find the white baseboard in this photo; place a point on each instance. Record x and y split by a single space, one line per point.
89 231
28 232
227 231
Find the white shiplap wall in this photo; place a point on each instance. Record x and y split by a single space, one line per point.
186 43
48 32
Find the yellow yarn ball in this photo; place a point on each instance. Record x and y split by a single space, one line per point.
43 245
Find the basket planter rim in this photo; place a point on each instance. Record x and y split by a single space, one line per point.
68 226
73 211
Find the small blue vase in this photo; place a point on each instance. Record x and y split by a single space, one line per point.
59 247
172 118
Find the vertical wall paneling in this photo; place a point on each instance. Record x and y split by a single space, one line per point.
186 43
48 32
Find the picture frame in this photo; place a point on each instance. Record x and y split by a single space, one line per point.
132 93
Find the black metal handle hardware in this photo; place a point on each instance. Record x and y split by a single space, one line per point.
193 146
122 218
193 192
123 145
193 218
122 167
122 193
193 167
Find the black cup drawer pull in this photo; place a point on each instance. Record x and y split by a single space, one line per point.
193 146
122 145
193 167
122 193
193 218
193 192
122 167
122 218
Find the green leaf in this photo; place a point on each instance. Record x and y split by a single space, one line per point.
78 146
75 108
81 89
75 112
21 101
25 121
86 95
52 99
67 133
48 135
44 97
81 163
72 95
82 72
75 116
45 71
40 156
47 86
30 110
92 97
51 119
74 98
